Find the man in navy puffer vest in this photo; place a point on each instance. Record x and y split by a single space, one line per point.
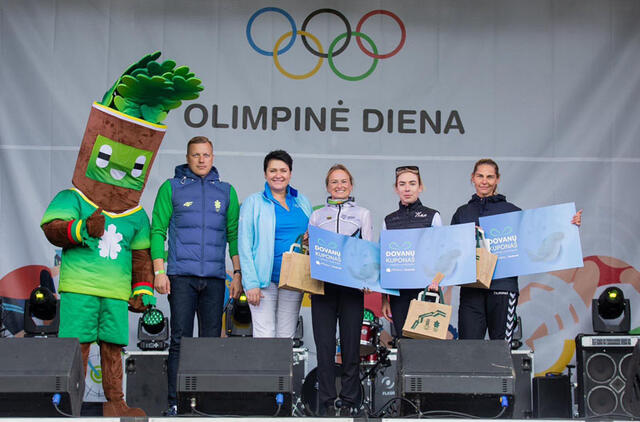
201 214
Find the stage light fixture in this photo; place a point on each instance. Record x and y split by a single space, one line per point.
611 312
153 321
44 305
611 303
241 311
153 330
237 317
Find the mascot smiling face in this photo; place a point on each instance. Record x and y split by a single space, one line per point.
115 158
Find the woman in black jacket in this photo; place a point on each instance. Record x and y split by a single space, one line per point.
494 308
411 214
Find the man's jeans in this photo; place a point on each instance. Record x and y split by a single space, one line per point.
191 296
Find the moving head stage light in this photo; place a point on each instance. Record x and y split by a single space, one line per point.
42 304
237 317
611 312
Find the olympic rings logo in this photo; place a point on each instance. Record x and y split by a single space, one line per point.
319 50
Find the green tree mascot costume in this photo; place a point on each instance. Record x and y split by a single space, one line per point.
103 231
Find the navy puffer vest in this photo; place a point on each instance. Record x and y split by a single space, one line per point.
198 225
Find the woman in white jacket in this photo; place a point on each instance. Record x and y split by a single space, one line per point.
339 303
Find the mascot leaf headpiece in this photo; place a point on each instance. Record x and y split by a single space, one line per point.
125 130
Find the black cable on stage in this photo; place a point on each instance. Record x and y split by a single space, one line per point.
192 406
453 413
277 410
209 415
433 413
55 400
384 407
295 409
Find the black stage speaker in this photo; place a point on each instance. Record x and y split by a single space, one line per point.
552 397
146 381
465 375
32 370
604 362
522 397
632 390
235 376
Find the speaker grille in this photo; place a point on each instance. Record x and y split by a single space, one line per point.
281 384
624 364
602 400
58 384
191 383
505 385
625 402
600 368
617 384
415 385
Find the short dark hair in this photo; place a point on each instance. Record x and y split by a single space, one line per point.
278 154
198 140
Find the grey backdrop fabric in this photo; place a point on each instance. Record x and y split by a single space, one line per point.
549 89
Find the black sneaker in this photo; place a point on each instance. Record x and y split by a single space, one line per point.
344 412
171 411
326 411
356 412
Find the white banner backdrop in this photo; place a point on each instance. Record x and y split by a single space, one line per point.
548 89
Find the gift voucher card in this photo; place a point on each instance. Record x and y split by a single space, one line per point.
411 258
347 261
534 241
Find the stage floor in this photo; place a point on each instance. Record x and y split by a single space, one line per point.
252 418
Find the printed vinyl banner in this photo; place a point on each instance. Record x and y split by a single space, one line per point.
411 258
344 260
534 241
548 89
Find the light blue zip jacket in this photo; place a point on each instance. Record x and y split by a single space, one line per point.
257 234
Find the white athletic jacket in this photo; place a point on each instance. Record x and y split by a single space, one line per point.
346 218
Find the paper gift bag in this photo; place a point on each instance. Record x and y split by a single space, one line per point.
295 273
485 266
427 319
485 262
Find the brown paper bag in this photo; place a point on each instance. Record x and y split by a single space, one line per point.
427 320
485 262
295 273
485 266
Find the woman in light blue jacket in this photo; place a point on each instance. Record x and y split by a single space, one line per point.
270 221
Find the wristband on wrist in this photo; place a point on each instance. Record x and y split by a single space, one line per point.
159 272
142 288
237 271
74 229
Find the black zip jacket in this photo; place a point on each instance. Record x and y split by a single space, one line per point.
481 207
412 216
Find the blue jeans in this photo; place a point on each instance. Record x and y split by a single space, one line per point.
191 296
